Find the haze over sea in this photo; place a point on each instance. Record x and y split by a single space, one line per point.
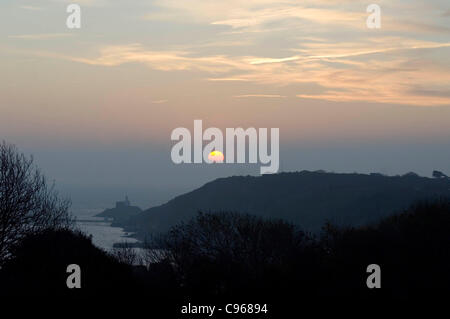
103 235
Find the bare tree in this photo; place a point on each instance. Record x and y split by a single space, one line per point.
27 203
126 254
152 252
226 237
438 174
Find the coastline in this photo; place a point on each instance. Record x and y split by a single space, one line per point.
104 235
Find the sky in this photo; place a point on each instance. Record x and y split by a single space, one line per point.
96 105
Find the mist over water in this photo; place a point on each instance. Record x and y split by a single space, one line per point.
103 235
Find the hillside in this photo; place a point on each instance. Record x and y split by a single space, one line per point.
122 212
304 198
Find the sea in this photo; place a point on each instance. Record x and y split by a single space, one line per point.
103 235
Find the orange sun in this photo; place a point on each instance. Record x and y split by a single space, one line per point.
216 157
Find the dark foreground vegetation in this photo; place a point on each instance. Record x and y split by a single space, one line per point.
228 256
221 257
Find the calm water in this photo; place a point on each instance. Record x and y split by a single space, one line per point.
103 235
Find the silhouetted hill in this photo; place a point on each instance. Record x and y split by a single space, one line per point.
304 198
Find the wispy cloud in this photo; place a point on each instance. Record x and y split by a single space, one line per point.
273 60
341 74
89 3
40 36
259 95
229 79
252 18
160 60
323 47
263 15
159 101
31 8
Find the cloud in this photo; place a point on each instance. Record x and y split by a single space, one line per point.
260 95
384 81
40 36
251 18
352 49
273 60
88 3
157 60
323 45
373 71
31 8
159 101
264 15
229 79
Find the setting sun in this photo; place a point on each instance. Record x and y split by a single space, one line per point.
216 157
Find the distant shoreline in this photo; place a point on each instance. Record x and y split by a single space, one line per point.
104 234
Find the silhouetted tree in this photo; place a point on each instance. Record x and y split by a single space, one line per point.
412 248
27 203
226 256
226 253
126 254
40 262
438 174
